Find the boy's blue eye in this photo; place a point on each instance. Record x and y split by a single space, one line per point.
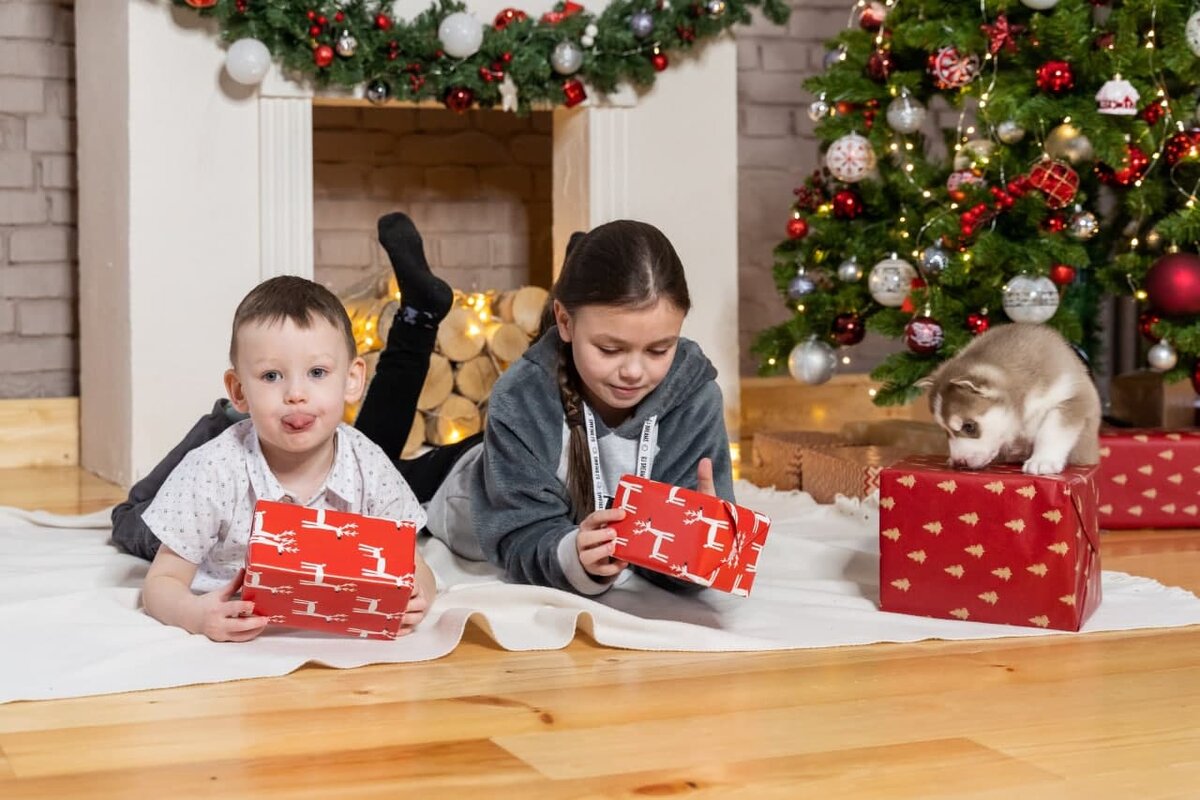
271 375
318 372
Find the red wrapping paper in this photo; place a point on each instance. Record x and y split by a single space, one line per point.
330 571
989 546
1149 479
689 535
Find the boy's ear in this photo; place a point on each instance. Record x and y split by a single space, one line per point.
562 321
356 380
233 388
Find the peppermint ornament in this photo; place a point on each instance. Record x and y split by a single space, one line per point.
890 281
1029 299
850 158
951 69
1117 97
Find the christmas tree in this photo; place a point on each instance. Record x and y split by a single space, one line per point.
1071 168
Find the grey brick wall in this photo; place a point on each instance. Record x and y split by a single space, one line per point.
477 186
38 260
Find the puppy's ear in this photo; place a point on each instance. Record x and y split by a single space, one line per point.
927 382
976 385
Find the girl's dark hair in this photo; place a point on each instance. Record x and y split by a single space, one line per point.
624 263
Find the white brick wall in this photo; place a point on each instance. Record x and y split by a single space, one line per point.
38 264
477 186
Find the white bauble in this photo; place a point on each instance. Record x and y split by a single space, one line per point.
850 158
1039 5
460 34
567 58
890 281
1028 299
1162 356
247 61
812 362
1192 31
905 114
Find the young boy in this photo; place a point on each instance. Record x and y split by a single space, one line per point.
294 369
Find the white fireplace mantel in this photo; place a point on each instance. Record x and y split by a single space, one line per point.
192 189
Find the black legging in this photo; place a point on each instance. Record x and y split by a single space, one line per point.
386 417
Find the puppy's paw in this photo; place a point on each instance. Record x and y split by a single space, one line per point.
1041 465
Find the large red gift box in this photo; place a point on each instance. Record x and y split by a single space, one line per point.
689 535
1149 479
330 571
989 546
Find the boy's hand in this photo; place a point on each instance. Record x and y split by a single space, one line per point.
595 544
704 477
423 593
223 619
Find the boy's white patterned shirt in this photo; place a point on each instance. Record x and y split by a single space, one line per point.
205 509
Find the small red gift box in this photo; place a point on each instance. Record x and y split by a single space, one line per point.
989 546
689 535
1149 479
330 571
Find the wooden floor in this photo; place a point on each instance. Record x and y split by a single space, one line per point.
1099 716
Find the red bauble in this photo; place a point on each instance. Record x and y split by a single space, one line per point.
847 204
1196 377
1056 180
848 329
459 98
1062 274
1146 322
923 335
659 61
323 55
1154 112
201 3
1173 285
1055 77
978 323
1183 147
507 17
951 69
383 22
872 17
1105 41
880 65
573 93
1136 163
315 30
797 228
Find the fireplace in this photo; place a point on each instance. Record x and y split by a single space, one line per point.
192 189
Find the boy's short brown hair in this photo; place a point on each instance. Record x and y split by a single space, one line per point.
291 297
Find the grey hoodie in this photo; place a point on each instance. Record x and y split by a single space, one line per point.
520 511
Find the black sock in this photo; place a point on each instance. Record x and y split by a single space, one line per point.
424 297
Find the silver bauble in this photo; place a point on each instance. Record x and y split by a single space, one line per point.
1039 5
346 45
834 57
1083 226
567 58
890 281
800 286
934 261
1162 356
715 8
818 109
1009 132
812 362
641 24
1068 143
378 92
1029 299
905 114
1191 30
849 271
976 150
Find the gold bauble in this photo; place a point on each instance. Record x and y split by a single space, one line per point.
1067 142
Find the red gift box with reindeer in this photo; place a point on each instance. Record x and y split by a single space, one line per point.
330 571
1149 478
990 546
689 535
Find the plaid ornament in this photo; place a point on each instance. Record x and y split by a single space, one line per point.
1056 180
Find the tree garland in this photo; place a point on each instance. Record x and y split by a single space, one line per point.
521 62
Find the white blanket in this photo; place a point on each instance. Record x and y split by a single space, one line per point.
70 623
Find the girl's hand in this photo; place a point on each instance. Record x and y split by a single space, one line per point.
704 477
595 543
223 619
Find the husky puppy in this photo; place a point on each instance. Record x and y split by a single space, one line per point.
1017 393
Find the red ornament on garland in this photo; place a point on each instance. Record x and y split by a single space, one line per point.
923 335
573 93
323 55
459 99
847 204
880 65
507 17
1062 274
1173 285
1135 166
1153 112
797 228
1183 147
1146 322
848 328
1056 180
383 22
978 322
1055 77
659 61
201 3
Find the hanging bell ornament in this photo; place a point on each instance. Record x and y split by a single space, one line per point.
346 44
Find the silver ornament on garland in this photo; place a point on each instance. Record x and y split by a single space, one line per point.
567 58
378 92
849 271
800 286
1039 5
890 281
1083 226
812 362
1030 299
1009 132
1191 32
934 261
1162 356
818 109
905 114
641 24
346 45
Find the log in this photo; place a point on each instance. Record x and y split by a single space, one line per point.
527 305
452 421
507 342
416 437
473 379
460 337
438 383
